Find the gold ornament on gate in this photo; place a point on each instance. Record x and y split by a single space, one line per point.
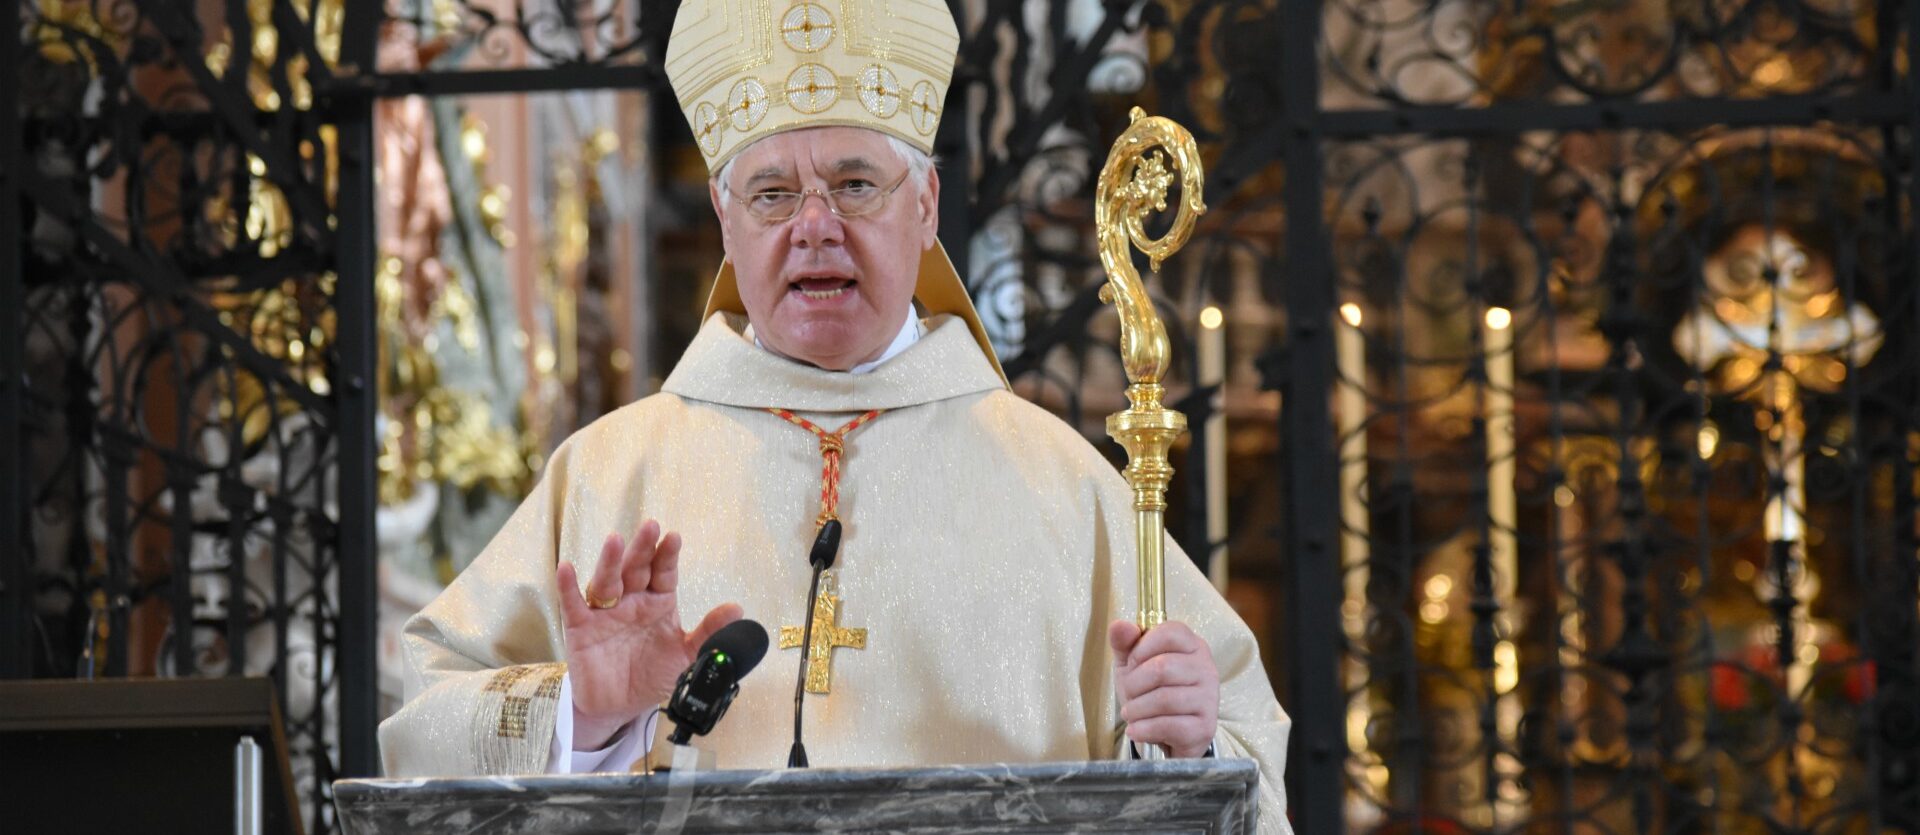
1133 186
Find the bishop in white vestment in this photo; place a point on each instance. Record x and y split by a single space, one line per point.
986 571
987 547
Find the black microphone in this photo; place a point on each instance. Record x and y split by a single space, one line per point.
708 686
826 546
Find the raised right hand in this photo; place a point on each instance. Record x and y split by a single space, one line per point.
625 658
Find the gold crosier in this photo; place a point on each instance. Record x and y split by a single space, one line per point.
1133 186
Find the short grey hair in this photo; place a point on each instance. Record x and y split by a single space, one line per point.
919 165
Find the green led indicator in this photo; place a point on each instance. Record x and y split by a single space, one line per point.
720 657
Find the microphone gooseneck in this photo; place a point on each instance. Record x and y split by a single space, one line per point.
826 547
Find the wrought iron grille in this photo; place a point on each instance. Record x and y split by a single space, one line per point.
537 33
1614 305
182 373
1619 504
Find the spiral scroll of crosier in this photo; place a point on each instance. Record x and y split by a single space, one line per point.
1133 186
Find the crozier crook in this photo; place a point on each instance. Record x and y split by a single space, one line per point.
1133 185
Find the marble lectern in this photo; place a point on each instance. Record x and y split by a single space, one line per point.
1210 796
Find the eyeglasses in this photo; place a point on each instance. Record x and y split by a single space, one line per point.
846 201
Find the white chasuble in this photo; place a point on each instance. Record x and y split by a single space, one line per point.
987 546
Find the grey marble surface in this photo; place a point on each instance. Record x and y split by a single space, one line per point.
1210 796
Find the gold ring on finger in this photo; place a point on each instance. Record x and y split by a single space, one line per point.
602 603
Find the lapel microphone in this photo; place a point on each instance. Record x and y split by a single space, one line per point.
826 546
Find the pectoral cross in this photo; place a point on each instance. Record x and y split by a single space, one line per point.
827 636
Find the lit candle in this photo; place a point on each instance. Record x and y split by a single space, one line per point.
1350 408
1213 372
1350 415
1501 506
1502 544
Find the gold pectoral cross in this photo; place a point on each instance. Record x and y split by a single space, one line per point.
827 637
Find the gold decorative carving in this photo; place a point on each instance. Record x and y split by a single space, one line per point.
1133 185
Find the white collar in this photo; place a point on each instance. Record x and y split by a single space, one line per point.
910 332
723 367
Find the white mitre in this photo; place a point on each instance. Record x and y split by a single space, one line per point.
744 70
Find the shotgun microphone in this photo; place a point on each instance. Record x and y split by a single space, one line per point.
826 547
707 688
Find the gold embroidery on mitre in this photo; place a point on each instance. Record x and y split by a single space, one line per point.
807 28
924 108
880 91
746 69
812 88
747 104
708 127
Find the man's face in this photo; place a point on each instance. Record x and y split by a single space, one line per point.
819 288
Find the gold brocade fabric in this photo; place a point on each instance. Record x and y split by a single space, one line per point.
985 547
519 699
